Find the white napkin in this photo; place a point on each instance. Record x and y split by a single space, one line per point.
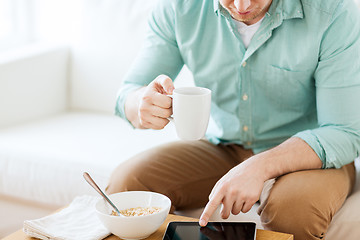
77 221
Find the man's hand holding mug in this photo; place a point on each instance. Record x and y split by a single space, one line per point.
188 107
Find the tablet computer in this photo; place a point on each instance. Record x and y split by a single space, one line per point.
212 231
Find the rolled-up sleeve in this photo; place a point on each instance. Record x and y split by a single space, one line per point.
159 54
337 79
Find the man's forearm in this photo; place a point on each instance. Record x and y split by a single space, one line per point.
292 155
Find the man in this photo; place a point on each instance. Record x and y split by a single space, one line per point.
285 83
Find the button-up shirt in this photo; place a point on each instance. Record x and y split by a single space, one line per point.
300 75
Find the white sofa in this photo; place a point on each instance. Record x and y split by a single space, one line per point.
56 118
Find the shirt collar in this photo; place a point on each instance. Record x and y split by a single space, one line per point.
287 8
217 7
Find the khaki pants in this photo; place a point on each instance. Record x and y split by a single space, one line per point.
301 203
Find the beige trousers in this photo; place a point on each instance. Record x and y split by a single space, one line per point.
301 203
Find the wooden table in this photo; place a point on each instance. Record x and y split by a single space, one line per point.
158 235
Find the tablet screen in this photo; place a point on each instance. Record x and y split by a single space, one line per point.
213 231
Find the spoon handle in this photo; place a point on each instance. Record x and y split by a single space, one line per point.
96 187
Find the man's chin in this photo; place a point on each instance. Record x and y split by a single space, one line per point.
244 20
249 20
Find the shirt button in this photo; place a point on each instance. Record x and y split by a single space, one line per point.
244 64
245 97
248 143
245 128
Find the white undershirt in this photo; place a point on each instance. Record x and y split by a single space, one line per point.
247 31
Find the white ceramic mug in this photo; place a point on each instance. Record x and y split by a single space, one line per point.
191 112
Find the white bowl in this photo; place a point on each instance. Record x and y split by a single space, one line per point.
135 227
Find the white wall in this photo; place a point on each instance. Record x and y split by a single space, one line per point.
57 21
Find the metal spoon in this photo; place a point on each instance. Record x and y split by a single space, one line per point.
96 187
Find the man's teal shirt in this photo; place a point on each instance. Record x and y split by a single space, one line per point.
300 75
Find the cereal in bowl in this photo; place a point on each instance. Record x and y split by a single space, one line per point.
138 211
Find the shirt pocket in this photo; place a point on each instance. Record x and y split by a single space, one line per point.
285 89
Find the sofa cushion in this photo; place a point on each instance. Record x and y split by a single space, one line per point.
44 160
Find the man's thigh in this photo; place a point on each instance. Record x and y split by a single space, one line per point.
184 171
303 203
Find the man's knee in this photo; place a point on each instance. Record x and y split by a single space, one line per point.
295 214
145 171
303 203
125 179
133 175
